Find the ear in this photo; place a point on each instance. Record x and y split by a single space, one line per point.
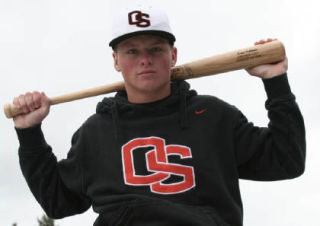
116 61
174 56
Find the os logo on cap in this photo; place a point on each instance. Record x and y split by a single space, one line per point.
139 19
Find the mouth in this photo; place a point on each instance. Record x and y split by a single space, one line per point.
147 73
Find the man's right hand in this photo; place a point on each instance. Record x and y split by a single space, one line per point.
35 106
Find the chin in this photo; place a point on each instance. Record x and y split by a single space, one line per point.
153 86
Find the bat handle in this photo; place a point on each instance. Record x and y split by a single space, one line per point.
11 110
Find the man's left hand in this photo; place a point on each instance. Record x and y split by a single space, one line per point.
267 71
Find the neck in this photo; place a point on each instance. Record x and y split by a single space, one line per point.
148 97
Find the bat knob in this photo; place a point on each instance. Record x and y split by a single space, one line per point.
11 111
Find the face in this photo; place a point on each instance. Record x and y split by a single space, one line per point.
145 63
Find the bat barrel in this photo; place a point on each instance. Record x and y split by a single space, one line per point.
270 52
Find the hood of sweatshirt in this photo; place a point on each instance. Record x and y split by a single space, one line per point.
120 108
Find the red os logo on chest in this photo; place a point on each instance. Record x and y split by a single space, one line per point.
158 165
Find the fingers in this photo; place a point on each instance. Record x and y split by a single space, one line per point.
44 99
28 102
263 41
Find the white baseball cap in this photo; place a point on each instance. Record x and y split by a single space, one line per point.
141 20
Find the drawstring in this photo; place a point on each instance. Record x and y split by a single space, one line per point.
115 119
183 106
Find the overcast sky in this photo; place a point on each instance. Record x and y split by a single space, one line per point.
60 46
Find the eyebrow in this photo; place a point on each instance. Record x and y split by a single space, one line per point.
160 40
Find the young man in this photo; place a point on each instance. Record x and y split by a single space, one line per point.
158 153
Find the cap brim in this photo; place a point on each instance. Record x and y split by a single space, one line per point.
170 37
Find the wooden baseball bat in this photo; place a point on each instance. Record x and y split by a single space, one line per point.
269 52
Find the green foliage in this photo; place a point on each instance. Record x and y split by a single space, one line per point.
46 221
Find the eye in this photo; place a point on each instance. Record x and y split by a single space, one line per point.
132 51
156 49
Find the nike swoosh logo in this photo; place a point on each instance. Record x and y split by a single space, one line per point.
200 111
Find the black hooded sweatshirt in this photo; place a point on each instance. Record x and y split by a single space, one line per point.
173 162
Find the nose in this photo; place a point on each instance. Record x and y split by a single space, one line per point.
145 58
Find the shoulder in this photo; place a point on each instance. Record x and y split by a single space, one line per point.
212 102
97 120
103 113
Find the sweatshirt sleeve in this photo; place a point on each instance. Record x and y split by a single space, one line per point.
278 151
57 188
